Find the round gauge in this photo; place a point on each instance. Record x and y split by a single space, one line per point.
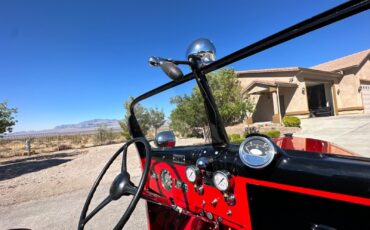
221 179
257 152
192 173
166 179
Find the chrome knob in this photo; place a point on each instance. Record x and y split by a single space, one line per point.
203 162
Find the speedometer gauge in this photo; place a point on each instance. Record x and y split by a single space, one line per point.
166 179
192 173
257 152
221 179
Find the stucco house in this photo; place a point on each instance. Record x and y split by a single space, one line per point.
337 87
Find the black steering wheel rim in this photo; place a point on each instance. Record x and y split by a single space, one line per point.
135 192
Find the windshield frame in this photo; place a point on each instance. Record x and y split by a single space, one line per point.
330 16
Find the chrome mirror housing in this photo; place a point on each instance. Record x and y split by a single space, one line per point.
203 50
165 139
170 68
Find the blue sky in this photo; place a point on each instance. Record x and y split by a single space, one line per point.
69 61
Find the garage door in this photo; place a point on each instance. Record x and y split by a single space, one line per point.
365 90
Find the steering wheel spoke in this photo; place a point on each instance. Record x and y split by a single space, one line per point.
124 161
106 201
131 189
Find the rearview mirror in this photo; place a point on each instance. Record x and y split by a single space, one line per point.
165 139
203 50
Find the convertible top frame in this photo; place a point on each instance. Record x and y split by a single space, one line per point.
330 16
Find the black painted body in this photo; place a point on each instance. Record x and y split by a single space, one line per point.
334 173
291 210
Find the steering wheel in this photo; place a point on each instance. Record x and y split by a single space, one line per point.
121 186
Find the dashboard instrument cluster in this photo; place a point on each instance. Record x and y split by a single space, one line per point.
205 182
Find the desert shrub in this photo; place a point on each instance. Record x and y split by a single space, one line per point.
236 138
290 121
272 133
64 147
103 136
76 139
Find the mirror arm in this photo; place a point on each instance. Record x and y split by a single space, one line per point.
180 62
216 126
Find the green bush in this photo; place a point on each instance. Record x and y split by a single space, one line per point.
236 138
272 133
291 121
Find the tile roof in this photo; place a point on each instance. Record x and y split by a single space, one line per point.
344 62
272 70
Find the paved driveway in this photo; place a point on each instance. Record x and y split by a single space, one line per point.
351 132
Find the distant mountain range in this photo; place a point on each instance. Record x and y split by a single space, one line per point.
82 127
91 124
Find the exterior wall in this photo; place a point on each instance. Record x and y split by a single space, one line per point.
295 101
364 72
264 108
349 99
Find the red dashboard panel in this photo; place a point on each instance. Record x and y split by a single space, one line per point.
235 216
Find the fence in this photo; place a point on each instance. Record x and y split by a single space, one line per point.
21 146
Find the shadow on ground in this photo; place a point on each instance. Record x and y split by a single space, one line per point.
14 168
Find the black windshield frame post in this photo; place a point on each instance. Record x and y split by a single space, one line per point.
216 126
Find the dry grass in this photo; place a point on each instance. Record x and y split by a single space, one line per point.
17 147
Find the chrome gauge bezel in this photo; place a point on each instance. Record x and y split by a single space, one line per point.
227 176
257 161
167 185
195 170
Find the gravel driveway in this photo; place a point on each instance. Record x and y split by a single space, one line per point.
352 132
47 191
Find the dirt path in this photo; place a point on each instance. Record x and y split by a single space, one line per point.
47 191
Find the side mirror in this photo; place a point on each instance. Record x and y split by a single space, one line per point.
170 68
203 50
165 139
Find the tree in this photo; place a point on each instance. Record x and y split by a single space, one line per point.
103 135
141 115
189 114
156 118
7 120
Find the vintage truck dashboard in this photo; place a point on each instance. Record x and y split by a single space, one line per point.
224 185
201 181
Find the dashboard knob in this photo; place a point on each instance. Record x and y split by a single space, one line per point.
204 162
214 202
199 190
231 200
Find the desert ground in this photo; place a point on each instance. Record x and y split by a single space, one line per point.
47 191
